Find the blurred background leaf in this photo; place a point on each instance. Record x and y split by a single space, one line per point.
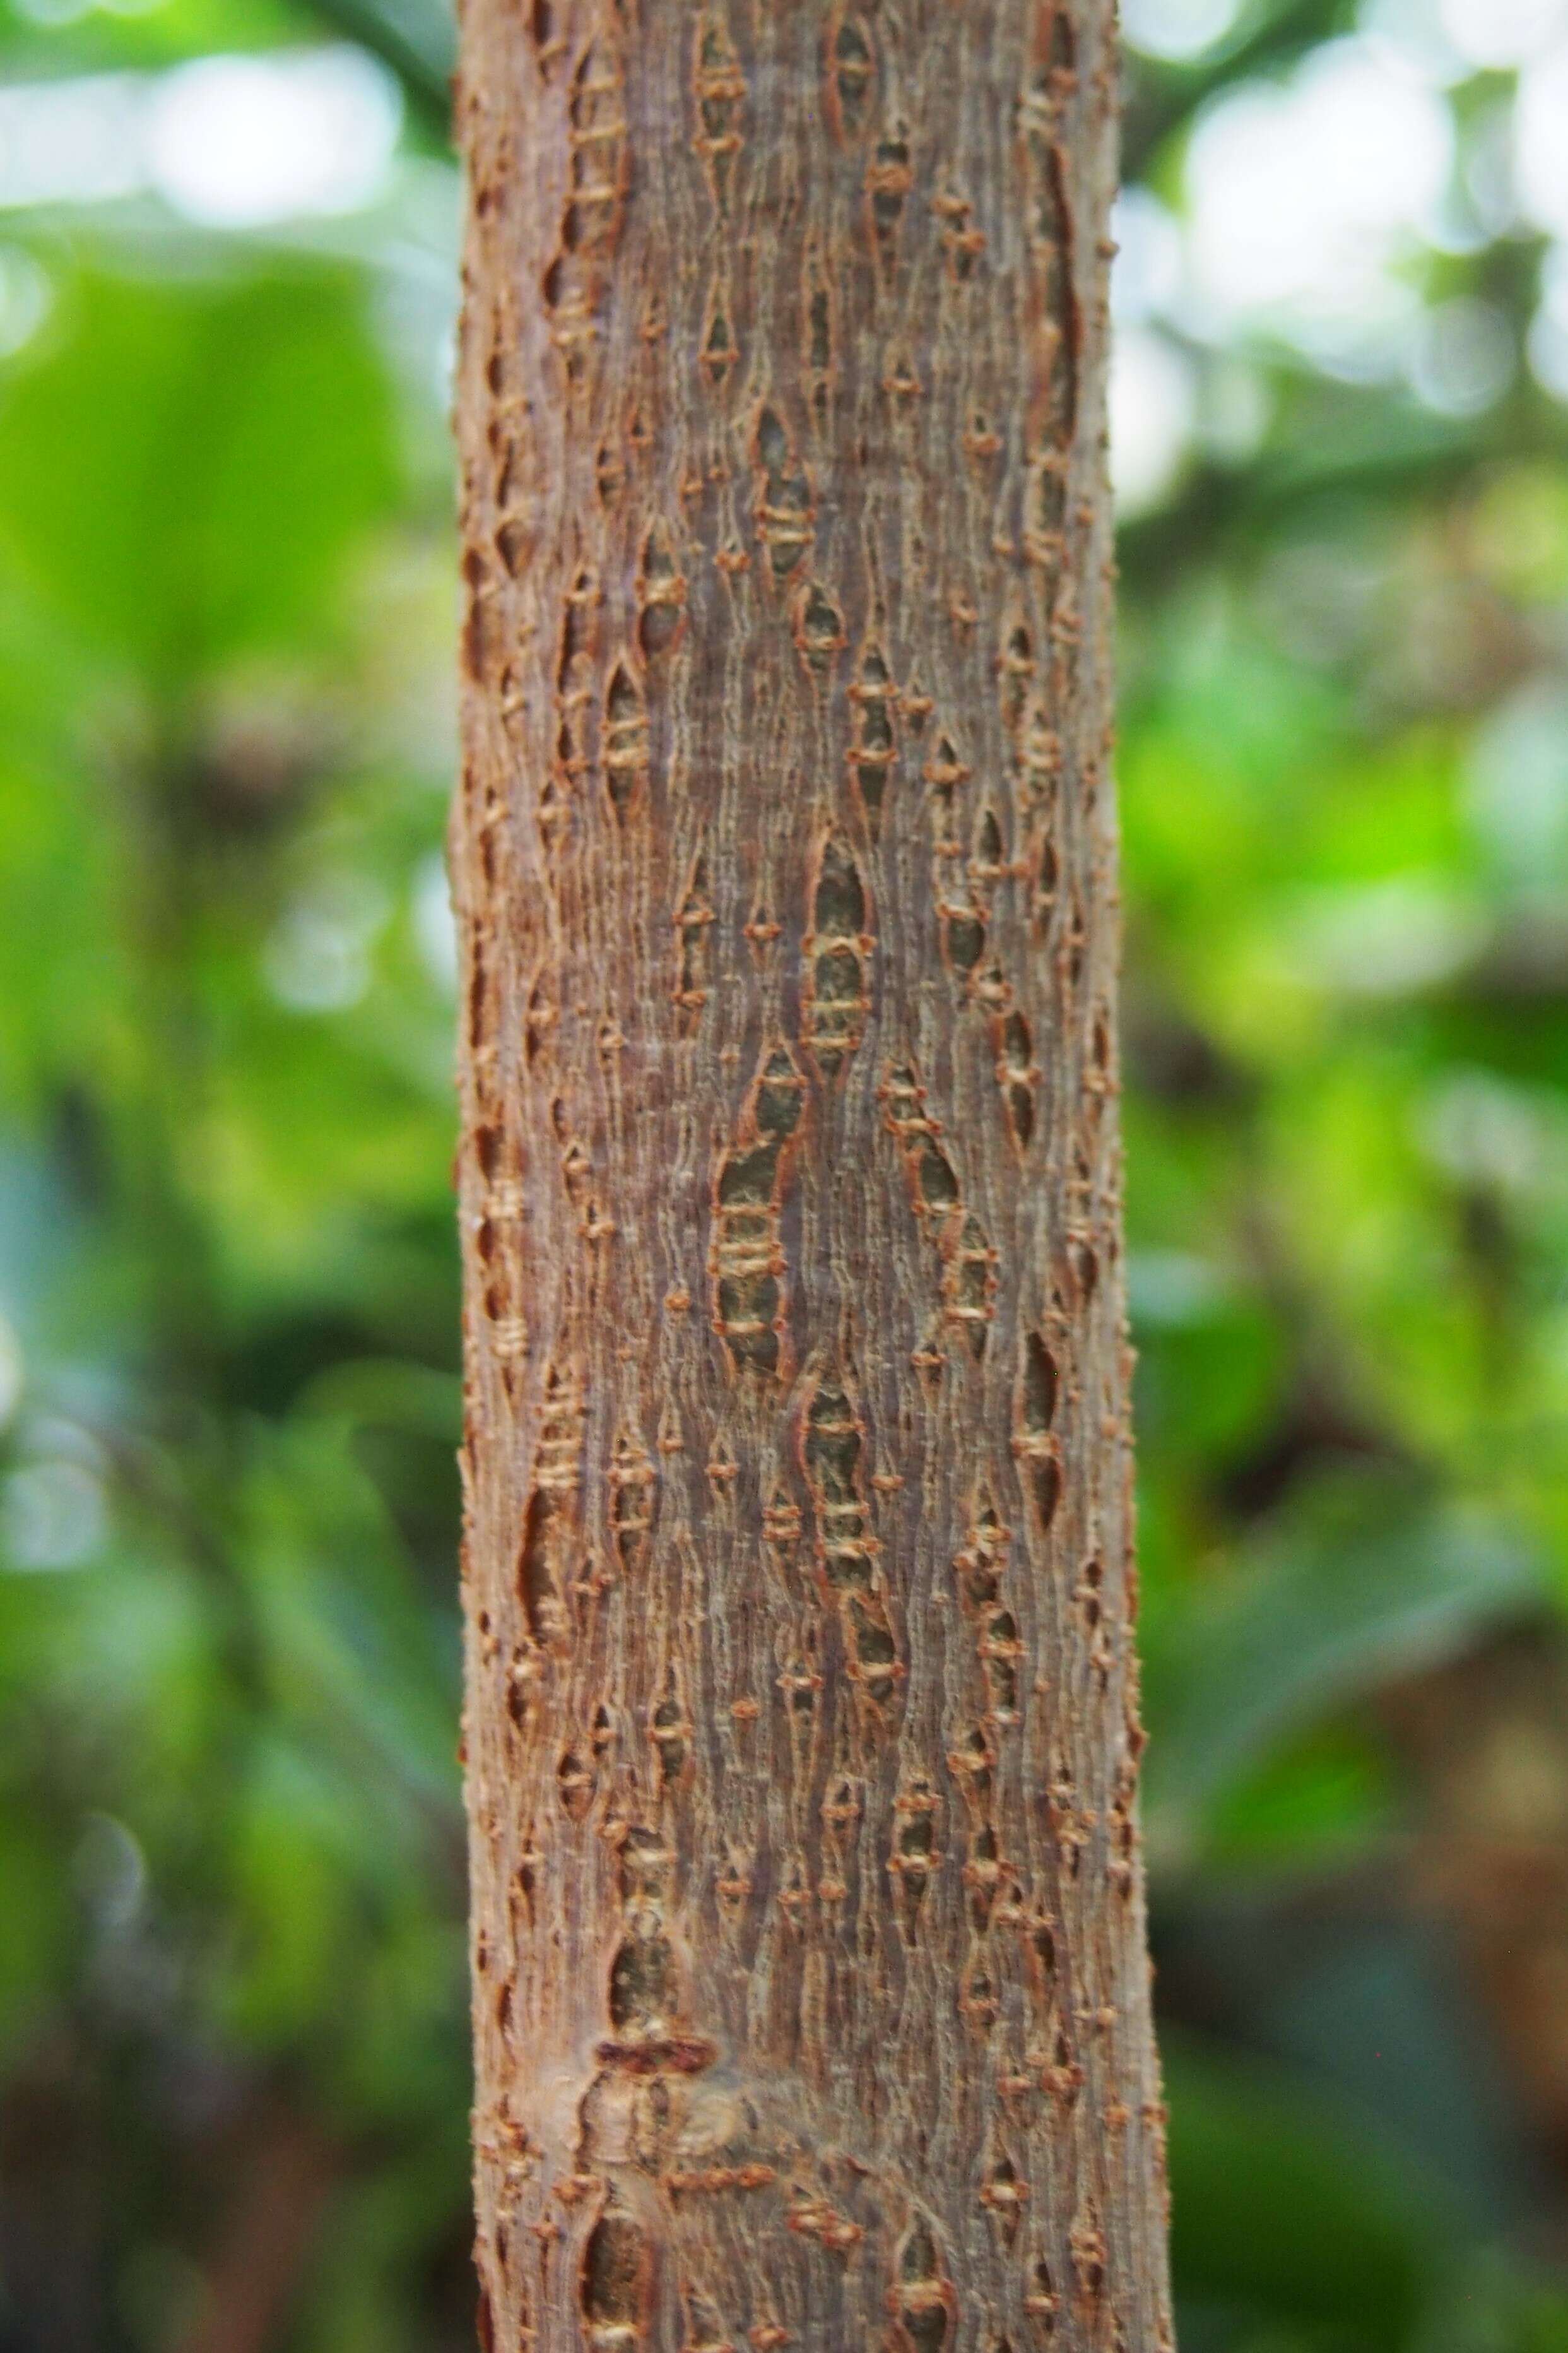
1360 1589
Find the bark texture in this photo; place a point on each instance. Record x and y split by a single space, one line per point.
811 2001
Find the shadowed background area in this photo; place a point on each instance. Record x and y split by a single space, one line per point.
232 2008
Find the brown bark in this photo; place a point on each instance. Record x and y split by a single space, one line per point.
811 2002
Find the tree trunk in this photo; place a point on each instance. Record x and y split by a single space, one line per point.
811 2003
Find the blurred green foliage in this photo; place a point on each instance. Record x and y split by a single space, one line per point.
232 1999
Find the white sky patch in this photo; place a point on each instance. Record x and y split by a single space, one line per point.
1410 33
1540 142
1517 789
1172 1287
1447 40
53 1515
434 925
1302 196
1501 33
1484 1132
10 1371
238 142
26 296
1176 29
1152 396
75 141
229 142
1233 412
1548 342
1462 359
110 1870
317 957
1382 939
71 12
1487 170
1146 275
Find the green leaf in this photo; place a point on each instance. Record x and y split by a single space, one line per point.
1327 1611
1286 2210
183 467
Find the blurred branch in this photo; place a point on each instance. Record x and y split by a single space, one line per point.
271 2229
1409 455
1485 1737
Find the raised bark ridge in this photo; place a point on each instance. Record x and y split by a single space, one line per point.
811 1998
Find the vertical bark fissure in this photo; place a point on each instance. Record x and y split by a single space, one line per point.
811 2002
